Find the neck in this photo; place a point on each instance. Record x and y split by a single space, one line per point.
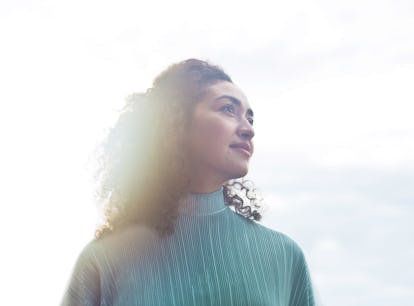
205 187
203 203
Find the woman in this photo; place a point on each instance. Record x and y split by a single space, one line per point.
179 230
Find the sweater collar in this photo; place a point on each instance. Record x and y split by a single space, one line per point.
203 203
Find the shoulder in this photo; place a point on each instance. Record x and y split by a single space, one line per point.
99 260
103 250
277 240
262 234
282 237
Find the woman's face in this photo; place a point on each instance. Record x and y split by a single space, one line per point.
220 136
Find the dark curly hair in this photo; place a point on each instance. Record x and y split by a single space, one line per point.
141 171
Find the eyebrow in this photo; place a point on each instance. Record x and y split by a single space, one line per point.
236 102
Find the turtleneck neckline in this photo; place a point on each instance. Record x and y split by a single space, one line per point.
200 204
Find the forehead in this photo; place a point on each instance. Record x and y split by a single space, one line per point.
227 89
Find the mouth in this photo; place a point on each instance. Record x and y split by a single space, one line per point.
243 148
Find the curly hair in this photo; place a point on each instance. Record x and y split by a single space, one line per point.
141 171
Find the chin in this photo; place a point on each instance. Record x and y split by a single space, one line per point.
238 173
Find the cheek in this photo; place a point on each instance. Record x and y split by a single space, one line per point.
212 135
219 133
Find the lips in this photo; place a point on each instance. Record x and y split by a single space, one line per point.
243 147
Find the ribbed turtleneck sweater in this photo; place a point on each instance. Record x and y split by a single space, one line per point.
214 257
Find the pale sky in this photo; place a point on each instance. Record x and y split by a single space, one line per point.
331 86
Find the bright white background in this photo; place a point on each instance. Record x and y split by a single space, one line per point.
331 83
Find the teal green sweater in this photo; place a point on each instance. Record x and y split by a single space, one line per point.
214 257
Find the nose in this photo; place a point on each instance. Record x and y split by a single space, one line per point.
246 130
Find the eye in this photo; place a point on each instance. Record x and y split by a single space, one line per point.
229 108
250 120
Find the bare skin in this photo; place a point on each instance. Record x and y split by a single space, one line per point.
220 138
